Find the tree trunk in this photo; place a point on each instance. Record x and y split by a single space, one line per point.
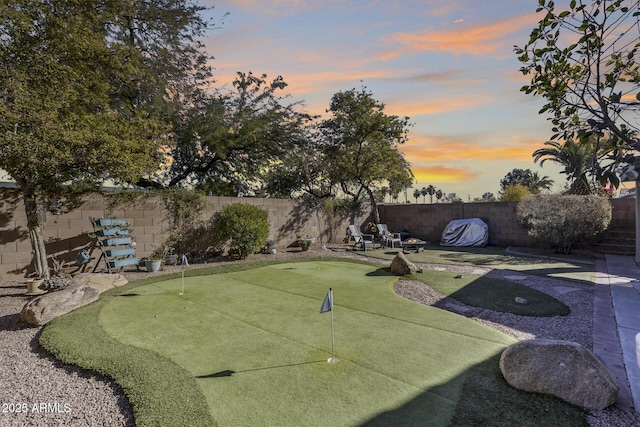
35 231
374 207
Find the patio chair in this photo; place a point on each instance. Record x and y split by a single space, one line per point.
360 239
388 237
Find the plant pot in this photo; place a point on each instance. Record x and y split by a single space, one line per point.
305 244
153 265
32 287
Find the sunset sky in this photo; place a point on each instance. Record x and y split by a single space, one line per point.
447 64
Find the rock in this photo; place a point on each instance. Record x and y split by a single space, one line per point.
401 265
520 300
101 281
560 368
44 308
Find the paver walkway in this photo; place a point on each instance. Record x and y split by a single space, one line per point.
616 324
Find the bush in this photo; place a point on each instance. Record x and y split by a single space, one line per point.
514 193
245 227
564 221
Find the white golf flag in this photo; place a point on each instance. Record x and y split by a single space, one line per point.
327 304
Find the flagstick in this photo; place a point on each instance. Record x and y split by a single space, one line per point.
332 359
183 263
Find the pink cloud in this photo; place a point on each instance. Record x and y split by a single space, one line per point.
472 40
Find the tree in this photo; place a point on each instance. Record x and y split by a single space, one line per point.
584 62
486 197
439 195
527 178
578 159
431 190
452 198
514 193
83 89
416 194
224 142
361 147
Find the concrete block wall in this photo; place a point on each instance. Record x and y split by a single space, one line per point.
427 221
67 234
623 214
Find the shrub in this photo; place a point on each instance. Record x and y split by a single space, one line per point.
514 193
564 221
244 226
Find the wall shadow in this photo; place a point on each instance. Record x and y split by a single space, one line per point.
485 400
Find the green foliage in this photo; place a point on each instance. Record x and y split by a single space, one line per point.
224 141
486 197
361 146
529 179
84 91
563 222
514 193
584 62
245 226
183 207
580 160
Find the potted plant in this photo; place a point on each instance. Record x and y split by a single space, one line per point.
305 242
171 258
153 264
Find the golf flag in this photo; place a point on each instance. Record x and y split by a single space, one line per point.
327 304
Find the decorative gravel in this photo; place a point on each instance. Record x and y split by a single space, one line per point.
576 327
37 390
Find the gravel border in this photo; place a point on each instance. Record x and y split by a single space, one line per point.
49 393
576 327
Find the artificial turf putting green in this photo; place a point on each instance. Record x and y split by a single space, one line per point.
251 347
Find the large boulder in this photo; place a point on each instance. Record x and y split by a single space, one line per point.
401 265
101 281
44 308
560 368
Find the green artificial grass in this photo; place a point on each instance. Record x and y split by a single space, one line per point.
496 258
493 294
246 345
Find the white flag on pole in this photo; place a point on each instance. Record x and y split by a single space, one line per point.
327 304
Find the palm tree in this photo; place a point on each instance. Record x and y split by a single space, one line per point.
578 158
488 197
417 193
424 193
431 190
439 195
529 179
537 183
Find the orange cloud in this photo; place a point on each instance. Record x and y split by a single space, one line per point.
442 173
439 106
436 149
475 40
